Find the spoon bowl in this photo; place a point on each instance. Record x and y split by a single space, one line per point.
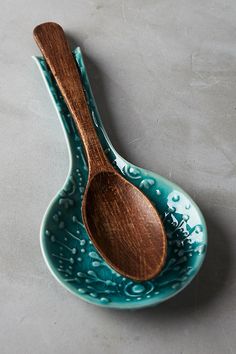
136 233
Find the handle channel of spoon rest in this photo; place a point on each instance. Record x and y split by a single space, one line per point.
52 42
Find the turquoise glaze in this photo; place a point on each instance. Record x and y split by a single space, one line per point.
66 247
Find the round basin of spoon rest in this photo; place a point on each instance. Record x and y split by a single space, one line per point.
67 249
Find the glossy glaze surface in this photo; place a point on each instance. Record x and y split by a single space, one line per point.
70 254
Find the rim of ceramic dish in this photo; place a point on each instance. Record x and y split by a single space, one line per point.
117 305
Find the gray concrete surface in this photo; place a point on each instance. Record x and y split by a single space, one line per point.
164 77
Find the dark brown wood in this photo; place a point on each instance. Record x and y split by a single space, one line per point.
121 221
51 40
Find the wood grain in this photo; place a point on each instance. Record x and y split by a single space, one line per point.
121 221
51 40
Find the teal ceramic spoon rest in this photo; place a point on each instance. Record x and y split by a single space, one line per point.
67 249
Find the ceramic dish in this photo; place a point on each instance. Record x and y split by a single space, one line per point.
67 250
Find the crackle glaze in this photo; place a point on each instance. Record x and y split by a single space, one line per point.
67 249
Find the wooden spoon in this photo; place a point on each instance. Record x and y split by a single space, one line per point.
121 221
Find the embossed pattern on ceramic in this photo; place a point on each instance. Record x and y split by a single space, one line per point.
65 244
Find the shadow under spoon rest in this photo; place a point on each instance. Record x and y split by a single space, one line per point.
67 249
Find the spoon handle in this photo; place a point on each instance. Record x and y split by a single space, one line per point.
52 42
